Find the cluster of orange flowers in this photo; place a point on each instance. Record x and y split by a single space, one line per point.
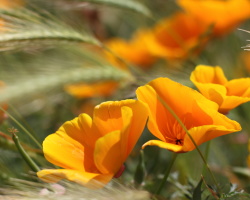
177 37
92 151
181 35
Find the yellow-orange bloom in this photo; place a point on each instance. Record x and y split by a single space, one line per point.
197 113
176 37
87 90
213 84
93 151
133 51
223 15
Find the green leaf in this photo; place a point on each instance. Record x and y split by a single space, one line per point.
197 191
140 171
125 4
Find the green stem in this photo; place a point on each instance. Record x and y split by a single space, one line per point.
206 156
24 154
167 172
23 128
191 138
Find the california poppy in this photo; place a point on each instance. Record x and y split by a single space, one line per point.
92 152
87 90
213 84
199 115
132 51
175 37
222 15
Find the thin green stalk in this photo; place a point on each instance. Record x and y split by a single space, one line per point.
24 154
191 138
167 172
23 128
206 156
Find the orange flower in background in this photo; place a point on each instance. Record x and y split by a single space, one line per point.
176 37
92 152
223 15
133 52
6 4
87 90
213 84
199 115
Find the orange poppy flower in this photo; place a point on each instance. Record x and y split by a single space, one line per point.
223 15
197 113
176 37
92 152
133 51
87 90
213 84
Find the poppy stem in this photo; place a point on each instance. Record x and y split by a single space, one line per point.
24 154
167 172
191 138
206 156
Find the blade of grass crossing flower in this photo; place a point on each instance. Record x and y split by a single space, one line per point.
24 154
128 4
23 128
187 132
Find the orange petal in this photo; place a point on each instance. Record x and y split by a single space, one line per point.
90 180
231 102
134 126
84 90
72 145
208 74
107 154
164 145
238 87
208 132
226 14
210 82
128 116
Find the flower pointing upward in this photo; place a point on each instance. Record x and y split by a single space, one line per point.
213 84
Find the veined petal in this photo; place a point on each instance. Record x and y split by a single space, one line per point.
164 145
108 154
90 180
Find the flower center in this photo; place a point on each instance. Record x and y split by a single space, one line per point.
179 141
